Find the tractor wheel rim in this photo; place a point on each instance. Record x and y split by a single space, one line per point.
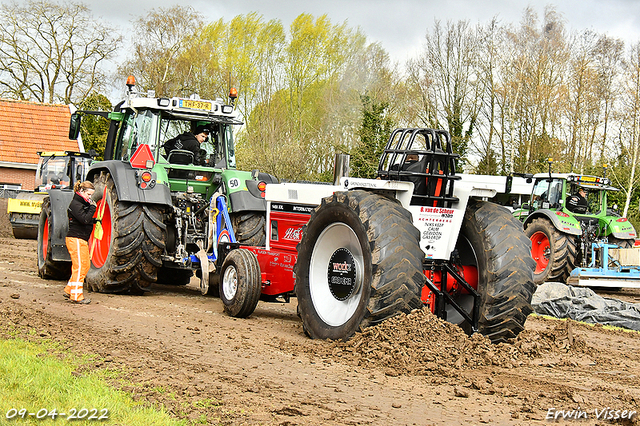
45 239
463 299
230 283
103 246
333 306
540 251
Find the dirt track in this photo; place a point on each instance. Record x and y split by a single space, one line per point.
182 351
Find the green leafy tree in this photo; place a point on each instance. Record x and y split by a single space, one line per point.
94 128
374 133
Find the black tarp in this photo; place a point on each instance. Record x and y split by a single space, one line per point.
583 304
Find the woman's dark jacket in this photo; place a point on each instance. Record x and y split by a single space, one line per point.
80 218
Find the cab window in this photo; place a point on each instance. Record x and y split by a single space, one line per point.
137 129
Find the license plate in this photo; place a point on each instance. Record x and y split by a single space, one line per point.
188 103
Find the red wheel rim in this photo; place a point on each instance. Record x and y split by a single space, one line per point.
102 247
540 250
45 238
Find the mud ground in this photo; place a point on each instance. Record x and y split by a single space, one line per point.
178 349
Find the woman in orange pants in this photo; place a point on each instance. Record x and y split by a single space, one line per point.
81 211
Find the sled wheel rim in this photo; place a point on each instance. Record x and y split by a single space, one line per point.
540 250
230 282
338 237
102 247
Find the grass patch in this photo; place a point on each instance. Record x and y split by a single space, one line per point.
39 377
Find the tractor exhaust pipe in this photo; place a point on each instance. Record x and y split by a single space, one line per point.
340 167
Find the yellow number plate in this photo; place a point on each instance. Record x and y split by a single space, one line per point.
188 103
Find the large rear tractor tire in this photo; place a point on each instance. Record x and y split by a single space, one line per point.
249 228
127 258
359 263
47 267
240 283
492 240
555 253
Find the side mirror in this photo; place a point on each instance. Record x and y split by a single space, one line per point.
526 206
74 126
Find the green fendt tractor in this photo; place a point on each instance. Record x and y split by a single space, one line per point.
162 214
561 236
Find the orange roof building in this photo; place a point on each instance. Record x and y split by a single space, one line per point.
25 129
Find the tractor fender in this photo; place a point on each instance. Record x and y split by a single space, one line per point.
620 227
240 201
242 191
126 183
59 223
566 224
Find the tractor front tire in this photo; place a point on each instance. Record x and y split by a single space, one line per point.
240 283
359 263
492 240
554 252
127 258
48 268
249 228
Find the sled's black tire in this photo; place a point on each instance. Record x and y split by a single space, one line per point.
493 239
174 276
561 257
622 243
249 228
47 267
376 238
240 283
129 256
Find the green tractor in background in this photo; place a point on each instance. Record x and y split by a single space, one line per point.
561 239
162 214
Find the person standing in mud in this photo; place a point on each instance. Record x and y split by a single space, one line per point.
80 212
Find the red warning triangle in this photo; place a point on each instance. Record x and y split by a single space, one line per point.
140 158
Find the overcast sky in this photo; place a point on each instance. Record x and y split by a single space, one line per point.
399 25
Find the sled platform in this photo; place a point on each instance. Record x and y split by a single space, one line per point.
618 268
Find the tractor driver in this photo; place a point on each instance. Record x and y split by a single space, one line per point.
209 147
577 203
190 142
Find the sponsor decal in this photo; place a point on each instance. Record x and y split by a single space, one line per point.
341 274
292 208
294 234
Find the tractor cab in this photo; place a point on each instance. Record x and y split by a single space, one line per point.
60 170
553 191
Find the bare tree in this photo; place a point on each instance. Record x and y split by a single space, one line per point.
488 67
629 152
158 59
581 102
537 77
51 52
449 64
608 63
